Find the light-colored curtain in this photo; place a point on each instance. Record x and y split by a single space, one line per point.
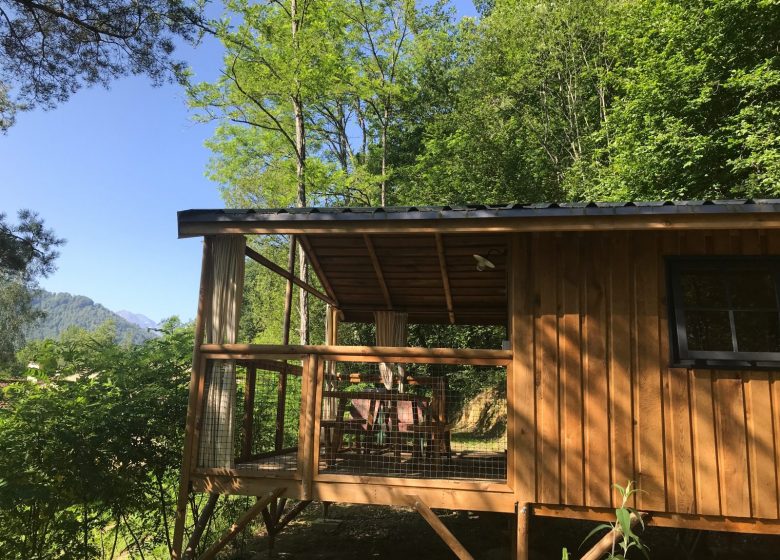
391 331
221 317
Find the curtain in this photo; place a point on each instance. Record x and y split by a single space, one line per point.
221 315
391 331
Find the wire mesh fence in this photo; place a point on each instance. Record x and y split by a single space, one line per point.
265 418
414 421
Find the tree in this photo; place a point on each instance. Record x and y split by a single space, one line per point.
92 450
27 251
278 60
695 108
526 83
49 50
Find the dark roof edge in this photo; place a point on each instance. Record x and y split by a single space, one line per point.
298 216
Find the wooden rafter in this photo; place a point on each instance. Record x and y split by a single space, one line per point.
269 264
445 279
378 270
315 264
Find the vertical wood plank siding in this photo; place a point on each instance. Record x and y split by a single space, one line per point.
591 310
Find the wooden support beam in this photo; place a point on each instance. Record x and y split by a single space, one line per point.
381 352
200 525
281 400
239 525
257 257
378 271
292 514
315 264
607 541
273 365
521 542
441 529
195 394
288 292
445 278
310 378
249 411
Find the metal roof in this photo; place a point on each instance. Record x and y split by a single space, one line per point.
199 222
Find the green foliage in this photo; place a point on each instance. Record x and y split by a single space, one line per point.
27 251
696 95
51 50
627 539
94 446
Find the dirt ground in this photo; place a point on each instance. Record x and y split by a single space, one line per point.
376 533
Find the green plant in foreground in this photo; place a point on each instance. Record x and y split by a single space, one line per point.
625 539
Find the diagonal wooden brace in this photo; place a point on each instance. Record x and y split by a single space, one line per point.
441 529
242 522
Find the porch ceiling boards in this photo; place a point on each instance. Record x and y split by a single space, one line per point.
433 277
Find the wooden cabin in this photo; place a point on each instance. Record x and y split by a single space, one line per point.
642 344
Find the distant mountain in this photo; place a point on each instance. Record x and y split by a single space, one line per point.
65 310
137 319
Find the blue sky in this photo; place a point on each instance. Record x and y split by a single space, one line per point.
108 170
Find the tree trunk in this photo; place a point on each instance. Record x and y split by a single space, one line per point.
383 194
300 148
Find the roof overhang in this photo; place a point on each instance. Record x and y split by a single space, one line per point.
421 260
727 214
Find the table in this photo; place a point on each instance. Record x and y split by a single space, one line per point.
415 420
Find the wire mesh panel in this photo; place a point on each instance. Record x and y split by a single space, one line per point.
435 421
268 415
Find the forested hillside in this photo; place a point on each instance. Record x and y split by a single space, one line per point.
63 311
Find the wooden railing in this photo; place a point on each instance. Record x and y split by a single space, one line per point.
312 359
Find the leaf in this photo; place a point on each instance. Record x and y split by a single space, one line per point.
601 527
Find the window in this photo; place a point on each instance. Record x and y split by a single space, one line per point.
724 311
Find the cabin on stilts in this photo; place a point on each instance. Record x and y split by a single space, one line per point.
642 344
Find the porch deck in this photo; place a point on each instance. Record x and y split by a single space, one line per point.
462 465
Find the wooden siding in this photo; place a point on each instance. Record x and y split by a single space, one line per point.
590 310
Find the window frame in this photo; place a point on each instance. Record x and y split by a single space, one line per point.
678 336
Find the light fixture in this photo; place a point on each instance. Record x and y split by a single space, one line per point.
483 263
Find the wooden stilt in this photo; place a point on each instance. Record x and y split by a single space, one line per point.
200 526
249 411
239 525
275 522
521 537
198 365
441 529
270 526
292 514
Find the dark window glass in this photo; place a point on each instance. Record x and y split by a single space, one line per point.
709 330
752 289
757 331
726 310
703 289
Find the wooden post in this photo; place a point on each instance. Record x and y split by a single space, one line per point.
441 529
249 411
195 395
306 426
288 293
521 542
242 522
200 526
281 400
